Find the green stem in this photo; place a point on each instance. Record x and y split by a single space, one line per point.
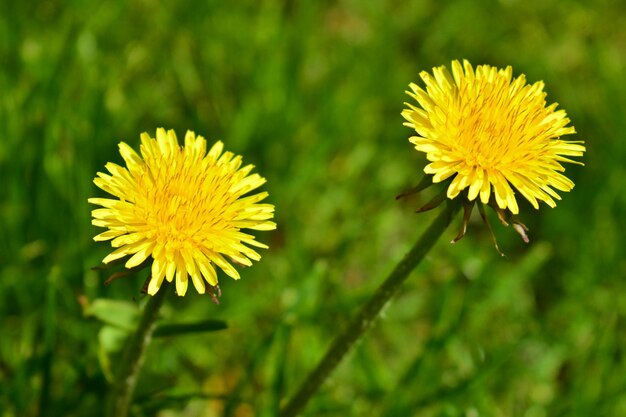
368 313
122 391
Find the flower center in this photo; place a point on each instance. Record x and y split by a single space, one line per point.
483 136
175 205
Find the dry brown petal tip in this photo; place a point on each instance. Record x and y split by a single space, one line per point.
483 215
424 183
521 229
433 203
215 292
467 212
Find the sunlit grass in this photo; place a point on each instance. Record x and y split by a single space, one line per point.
312 95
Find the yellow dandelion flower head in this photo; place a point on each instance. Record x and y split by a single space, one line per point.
182 206
491 133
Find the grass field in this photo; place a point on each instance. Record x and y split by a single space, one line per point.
311 93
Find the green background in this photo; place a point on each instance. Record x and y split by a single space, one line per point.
311 93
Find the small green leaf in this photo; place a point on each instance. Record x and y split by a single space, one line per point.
120 314
184 328
110 341
111 338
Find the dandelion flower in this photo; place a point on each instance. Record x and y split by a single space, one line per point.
492 135
182 207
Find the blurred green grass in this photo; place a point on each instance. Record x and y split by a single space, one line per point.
310 92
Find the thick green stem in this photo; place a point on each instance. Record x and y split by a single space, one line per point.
122 392
368 313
